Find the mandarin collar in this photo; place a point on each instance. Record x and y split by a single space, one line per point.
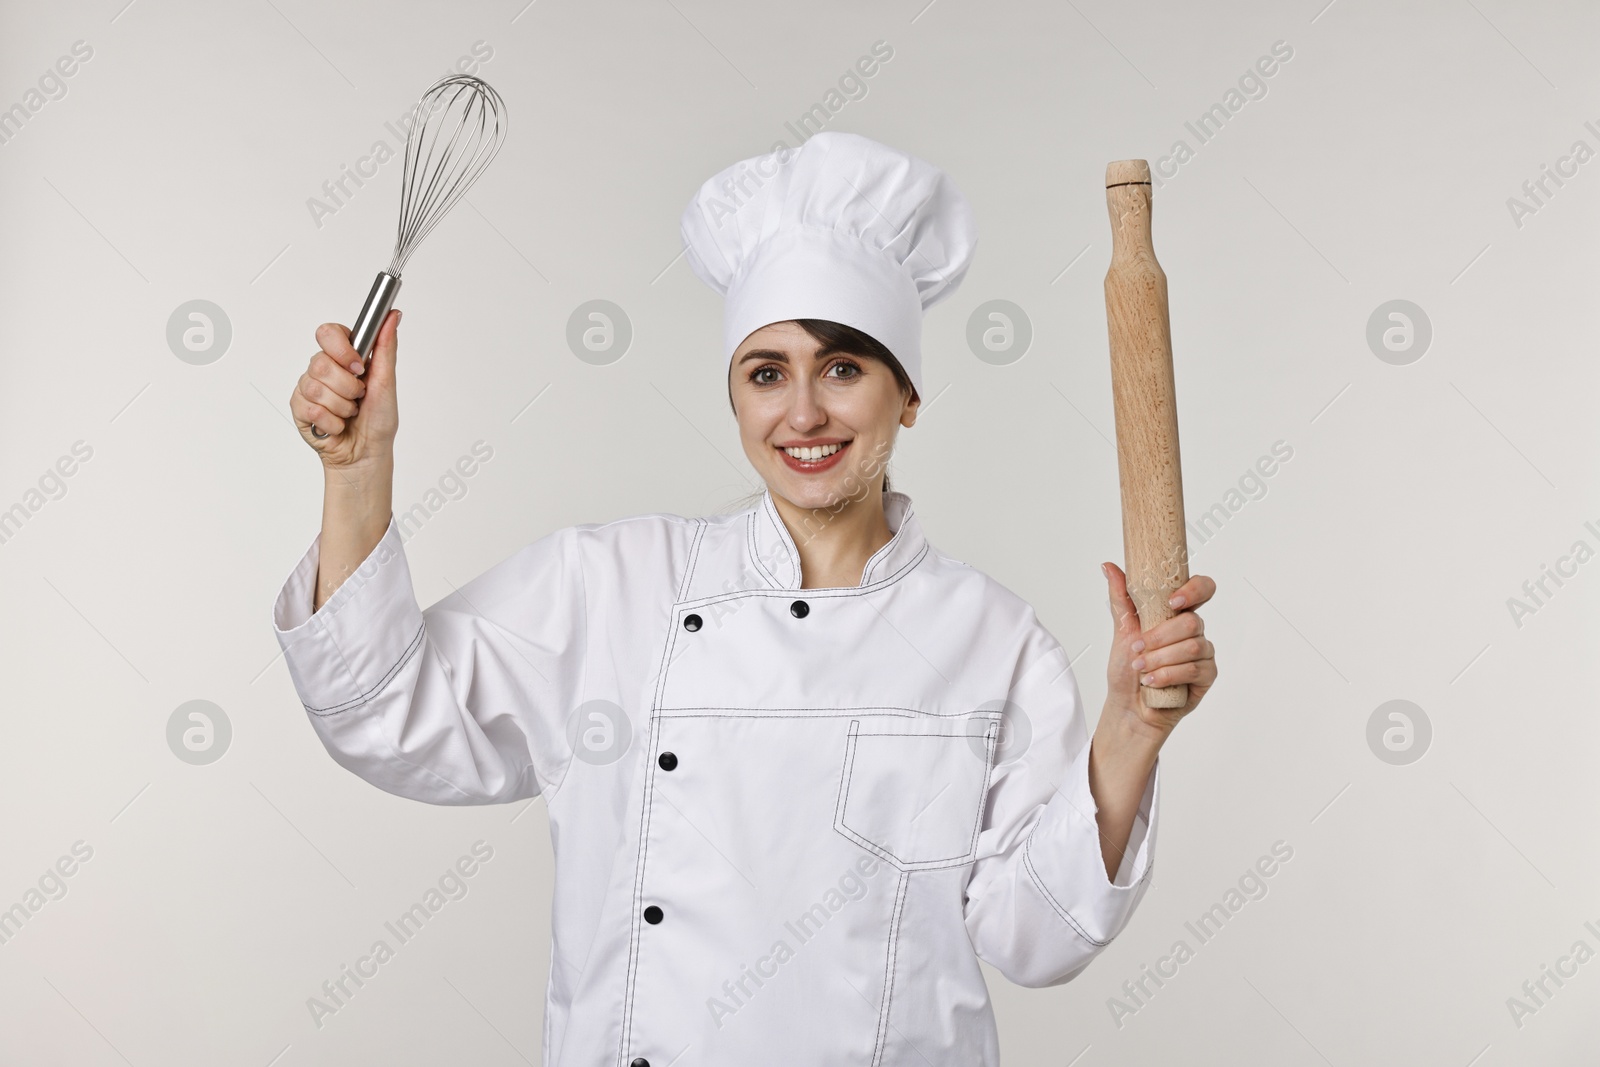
774 556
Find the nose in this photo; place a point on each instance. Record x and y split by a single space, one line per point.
805 412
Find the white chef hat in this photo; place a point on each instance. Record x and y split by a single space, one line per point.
842 228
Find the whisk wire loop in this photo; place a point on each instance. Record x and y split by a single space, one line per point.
471 116
436 175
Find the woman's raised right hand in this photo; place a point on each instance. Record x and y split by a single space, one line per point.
355 408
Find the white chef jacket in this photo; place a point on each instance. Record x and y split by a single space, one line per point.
785 821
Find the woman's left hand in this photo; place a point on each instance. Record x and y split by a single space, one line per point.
1174 652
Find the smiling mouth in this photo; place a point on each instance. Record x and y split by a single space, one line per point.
814 457
814 452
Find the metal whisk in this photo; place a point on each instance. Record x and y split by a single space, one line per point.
457 126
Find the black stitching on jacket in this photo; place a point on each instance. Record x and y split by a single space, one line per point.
357 701
1027 863
888 968
847 774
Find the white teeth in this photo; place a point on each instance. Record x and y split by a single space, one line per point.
814 453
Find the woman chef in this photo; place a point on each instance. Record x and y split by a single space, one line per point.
803 770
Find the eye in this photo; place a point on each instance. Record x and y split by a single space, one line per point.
755 375
853 367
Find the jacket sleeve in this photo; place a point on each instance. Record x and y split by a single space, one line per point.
1039 907
464 703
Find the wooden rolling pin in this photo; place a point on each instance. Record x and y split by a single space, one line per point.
1153 541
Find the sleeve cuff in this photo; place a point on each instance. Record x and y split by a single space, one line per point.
1062 855
344 653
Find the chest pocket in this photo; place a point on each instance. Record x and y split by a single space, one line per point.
913 791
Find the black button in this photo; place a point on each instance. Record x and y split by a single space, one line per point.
639 1061
652 915
667 761
799 609
691 622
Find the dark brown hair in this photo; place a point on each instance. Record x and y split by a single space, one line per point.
837 337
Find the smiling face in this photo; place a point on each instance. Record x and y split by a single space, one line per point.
818 425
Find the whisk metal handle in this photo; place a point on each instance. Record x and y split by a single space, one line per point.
365 333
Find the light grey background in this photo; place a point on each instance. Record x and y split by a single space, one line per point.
1378 565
